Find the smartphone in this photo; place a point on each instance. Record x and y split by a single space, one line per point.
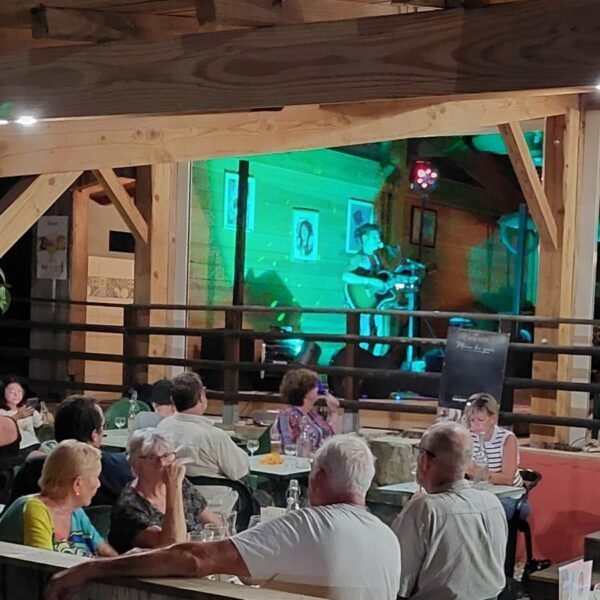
32 403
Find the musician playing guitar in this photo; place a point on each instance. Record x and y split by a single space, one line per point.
363 270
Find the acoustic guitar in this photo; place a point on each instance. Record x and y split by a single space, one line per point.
362 296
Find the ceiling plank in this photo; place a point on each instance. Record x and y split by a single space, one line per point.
531 185
260 13
123 203
101 26
129 141
30 204
480 51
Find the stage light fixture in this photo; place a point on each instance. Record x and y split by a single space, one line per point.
423 176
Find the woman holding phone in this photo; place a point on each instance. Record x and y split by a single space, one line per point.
24 412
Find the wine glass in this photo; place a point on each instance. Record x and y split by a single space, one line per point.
120 422
254 521
252 446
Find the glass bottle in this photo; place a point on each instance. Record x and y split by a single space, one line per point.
133 409
275 436
305 443
293 496
481 472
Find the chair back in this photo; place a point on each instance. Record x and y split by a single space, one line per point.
246 505
120 408
530 479
100 518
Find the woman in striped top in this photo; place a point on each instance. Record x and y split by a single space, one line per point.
500 447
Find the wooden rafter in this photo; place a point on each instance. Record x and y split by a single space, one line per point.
18 214
530 182
323 63
121 142
123 203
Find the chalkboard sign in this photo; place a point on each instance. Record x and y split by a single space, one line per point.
475 362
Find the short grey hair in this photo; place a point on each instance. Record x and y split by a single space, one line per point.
348 463
142 441
451 443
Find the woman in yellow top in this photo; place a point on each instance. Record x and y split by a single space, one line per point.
54 519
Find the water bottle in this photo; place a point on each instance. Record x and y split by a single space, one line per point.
275 436
305 442
481 472
133 409
293 496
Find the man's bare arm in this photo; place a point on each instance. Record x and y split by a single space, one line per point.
181 560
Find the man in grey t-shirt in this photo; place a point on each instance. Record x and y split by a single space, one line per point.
453 538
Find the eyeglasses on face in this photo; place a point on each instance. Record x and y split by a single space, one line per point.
418 448
162 458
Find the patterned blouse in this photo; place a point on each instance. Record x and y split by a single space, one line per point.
289 421
133 513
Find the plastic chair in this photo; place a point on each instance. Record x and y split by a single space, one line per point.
120 408
100 517
246 505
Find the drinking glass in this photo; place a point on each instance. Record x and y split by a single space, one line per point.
120 422
252 446
254 521
291 450
214 533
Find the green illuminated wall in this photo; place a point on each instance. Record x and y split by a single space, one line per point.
322 180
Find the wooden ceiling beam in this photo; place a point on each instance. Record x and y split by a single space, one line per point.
34 198
531 185
357 60
104 26
129 141
123 203
261 13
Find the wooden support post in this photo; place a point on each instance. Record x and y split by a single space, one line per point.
240 233
233 322
155 190
78 279
123 203
556 269
350 383
19 212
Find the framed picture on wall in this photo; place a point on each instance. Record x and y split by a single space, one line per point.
230 199
429 226
359 213
305 234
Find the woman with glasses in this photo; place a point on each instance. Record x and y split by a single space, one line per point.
160 506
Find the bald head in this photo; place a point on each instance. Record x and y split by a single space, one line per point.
451 445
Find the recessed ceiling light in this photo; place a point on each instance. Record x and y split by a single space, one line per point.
26 120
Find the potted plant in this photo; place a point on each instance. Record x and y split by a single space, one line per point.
4 294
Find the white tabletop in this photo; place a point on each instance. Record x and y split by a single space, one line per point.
115 438
502 491
291 466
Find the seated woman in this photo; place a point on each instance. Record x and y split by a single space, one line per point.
160 506
499 445
300 389
54 519
14 405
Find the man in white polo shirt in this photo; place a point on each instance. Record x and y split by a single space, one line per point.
209 450
453 538
335 549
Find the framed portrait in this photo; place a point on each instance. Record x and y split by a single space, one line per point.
230 201
305 235
359 213
429 226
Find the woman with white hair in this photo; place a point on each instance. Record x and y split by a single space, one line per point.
54 519
160 506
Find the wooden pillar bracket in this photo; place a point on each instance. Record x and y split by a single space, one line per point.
526 173
123 203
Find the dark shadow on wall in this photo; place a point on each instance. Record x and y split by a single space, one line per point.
268 289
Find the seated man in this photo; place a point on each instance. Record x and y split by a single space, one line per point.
334 549
207 449
79 418
453 538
